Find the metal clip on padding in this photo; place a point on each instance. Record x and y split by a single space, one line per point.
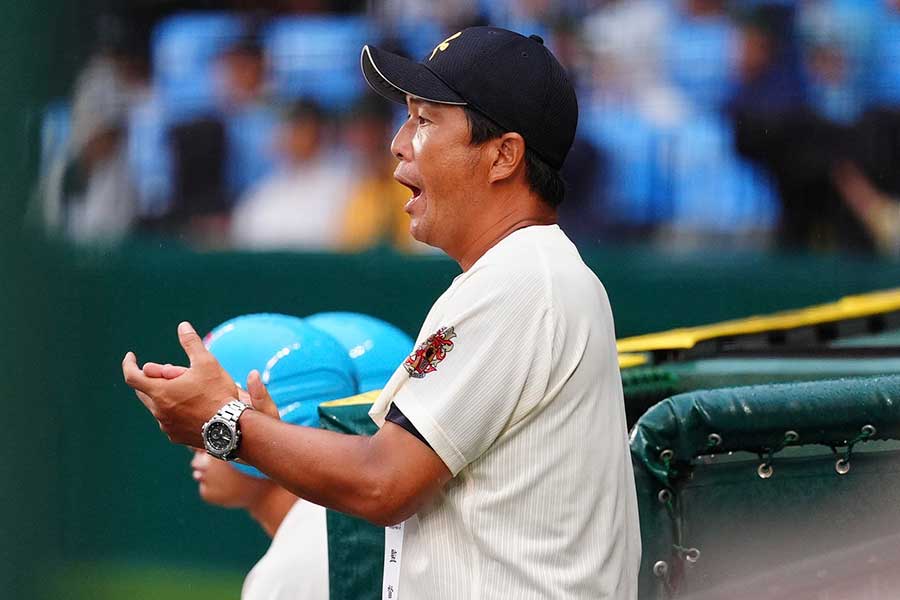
842 464
765 469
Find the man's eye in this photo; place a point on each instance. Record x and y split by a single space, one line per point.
423 121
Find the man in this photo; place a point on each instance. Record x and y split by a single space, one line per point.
502 449
251 348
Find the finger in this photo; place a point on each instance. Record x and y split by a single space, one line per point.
244 397
256 388
259 395
145 400
191 342
153 370
134 377
173 371
166 371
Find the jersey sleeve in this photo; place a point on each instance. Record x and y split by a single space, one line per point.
483 368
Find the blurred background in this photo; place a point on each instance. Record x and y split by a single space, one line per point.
704 123
168 160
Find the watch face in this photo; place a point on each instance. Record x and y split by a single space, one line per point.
219 436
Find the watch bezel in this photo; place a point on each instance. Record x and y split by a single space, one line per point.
232 445
229 415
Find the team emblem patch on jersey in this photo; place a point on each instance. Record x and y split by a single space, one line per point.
426 357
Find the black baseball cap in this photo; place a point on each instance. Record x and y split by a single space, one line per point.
513 80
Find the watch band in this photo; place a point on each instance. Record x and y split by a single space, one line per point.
233 410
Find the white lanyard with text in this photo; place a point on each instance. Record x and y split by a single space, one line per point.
393 546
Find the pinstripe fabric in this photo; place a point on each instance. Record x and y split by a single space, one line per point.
526 411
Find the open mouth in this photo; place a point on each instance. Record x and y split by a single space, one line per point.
416 190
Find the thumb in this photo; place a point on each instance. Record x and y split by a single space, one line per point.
259 395
191 342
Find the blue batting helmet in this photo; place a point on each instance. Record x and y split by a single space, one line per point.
301 366
376 347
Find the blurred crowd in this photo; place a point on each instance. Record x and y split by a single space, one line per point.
761 123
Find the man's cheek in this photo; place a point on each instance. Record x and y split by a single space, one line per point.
418 143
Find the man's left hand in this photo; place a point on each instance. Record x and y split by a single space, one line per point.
184 403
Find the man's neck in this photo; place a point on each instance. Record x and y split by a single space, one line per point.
271 508
503 225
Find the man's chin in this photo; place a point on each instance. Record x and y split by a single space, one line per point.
419 232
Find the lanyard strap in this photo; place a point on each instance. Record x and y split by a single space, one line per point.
393 546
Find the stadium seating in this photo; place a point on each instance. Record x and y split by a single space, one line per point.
711 189
700 55
633 188
883 66
185 48
311 57
149 157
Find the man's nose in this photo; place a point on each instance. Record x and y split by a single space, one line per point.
401 146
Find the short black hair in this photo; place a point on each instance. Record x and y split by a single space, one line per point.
544 180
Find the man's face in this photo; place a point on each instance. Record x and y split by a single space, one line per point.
222 485
443 171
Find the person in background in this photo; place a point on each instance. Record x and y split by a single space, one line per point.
301 206
221 154
776 128
626 42
302 362
250 118
89 195
302 367
836 37
374 215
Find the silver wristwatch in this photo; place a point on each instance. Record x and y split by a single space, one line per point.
222 434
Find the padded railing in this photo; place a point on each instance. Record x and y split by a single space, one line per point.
688 500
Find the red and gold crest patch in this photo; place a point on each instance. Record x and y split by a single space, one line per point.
426 357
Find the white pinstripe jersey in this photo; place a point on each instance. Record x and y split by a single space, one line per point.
522 400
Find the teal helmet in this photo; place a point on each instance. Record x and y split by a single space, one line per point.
301 365
376 347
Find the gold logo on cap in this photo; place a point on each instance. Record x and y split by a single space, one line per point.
444 45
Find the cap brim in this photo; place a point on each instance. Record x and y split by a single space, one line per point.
396 77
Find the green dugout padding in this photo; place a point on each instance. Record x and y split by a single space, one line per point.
355 546
854 336
889 339
822 486
645 386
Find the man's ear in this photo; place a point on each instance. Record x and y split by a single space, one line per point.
510 155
